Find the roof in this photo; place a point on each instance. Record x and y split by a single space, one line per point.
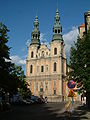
87 13
83 25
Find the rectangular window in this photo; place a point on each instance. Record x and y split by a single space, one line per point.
54 92
31 68
54 86
55 66
46 67
37 68
41 89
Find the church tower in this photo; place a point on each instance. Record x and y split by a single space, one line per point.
58 55
57 28
35 33
33 48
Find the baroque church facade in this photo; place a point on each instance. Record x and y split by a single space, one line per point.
46 67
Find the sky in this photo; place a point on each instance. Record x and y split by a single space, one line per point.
19 16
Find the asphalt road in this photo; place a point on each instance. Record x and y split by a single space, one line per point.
49 111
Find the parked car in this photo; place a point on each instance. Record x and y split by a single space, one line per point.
29 100
34 98
41 100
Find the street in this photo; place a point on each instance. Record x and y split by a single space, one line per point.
49 111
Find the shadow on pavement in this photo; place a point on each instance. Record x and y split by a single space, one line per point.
80 113
42 112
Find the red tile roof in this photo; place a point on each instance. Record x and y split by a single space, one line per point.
83 25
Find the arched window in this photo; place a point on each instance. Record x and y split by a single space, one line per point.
33 35
55 66
58 31
32 54
42 68
55 31
42 53
36 35
31 68
46 53
55 51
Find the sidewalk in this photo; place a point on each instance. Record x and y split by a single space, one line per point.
81 112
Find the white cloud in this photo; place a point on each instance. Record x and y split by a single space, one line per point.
28 43
44 40
17 60
41 36
69 39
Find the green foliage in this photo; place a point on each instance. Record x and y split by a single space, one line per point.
26 93
4 49
17 78
80 61
4 56
12 77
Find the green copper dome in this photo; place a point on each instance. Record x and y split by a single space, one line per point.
57 28
35 33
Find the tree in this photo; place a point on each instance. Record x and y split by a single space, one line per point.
16 78
4 56
12 77
80 62
18 83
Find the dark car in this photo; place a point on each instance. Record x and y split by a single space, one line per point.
41 100
34 98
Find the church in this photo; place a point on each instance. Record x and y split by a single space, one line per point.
46 67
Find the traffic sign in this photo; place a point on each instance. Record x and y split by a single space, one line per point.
72 94
71 84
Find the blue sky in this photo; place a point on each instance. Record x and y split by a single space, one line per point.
19 15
